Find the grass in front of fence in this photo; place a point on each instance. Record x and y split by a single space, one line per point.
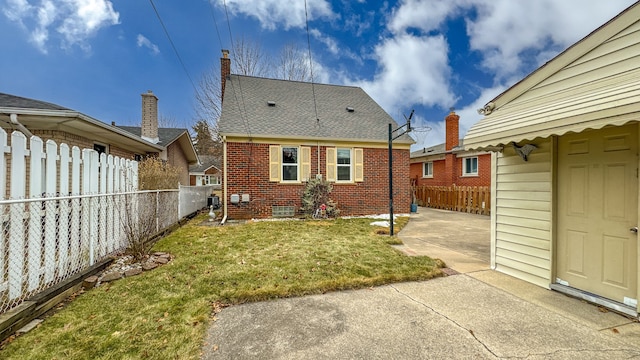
164 313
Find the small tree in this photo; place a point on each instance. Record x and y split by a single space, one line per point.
155 174
316 193
138 218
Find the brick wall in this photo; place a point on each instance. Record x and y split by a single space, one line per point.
447 176
248 167
149 127
177 158
452 130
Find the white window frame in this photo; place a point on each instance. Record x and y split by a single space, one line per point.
296 164
427 165
350 166
207 180
465 169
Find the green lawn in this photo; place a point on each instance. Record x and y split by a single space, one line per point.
163 314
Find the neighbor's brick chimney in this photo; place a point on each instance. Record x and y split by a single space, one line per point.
452 131
149 130
225 70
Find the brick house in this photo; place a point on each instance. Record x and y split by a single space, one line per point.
63 125
449 164
207 172
277 134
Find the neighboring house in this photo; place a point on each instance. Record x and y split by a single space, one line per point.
63 125
278 134
53 122
449 164
207 172
177 148
565 216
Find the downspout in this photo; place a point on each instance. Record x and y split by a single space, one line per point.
22 128
224 180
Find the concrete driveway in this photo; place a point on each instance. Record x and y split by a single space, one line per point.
477 313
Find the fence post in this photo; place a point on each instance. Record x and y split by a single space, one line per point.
3 189
50 227
16 235
35 213
65 210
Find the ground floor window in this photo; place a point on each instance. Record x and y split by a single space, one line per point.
427 169
470 166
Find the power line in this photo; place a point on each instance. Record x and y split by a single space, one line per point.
173 45
244 106
215 22
313 90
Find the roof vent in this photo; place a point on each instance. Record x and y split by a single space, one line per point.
350 109
271 103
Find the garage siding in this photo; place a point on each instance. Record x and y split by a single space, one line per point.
598 88
523 230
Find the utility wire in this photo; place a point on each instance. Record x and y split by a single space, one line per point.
213 16
313 90
173 45
244 106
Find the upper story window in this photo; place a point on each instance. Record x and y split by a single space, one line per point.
470 166
344 164
427 169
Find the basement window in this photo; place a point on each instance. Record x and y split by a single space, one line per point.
283 211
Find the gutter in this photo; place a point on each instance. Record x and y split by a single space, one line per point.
224 179
74 114
22 128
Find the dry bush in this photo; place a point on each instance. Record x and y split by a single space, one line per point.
156 174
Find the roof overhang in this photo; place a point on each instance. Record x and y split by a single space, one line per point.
80 124
401 143
184 140
518 124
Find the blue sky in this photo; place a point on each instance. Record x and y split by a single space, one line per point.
98 56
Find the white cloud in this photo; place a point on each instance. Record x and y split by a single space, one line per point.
425 15
274 14
330 43
413 70
143 41
507 32
74 20
15 10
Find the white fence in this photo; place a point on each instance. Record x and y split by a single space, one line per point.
68 209
193 198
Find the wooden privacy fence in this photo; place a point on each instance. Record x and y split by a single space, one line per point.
470 199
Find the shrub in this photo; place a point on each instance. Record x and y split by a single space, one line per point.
316 192
156 174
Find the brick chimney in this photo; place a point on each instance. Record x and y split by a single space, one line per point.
452 131
225 70
149 130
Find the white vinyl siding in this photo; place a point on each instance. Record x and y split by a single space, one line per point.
523 229
597 88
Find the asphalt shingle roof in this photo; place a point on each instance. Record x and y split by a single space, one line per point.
206 161
435 150
18 102
165 135
246 111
